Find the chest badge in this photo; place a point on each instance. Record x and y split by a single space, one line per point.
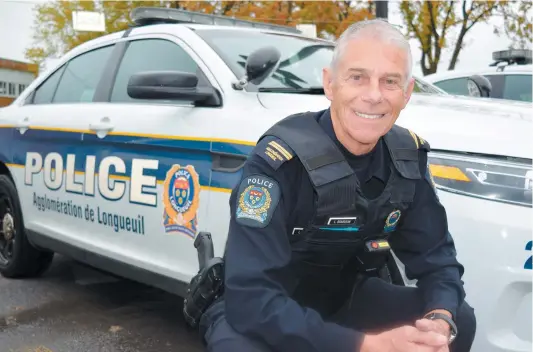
392 221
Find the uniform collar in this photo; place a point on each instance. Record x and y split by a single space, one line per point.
378 164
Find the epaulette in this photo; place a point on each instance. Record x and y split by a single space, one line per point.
420 142
274 151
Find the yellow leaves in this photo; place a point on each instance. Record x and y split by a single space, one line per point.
517 23
35 54
54 34
429 22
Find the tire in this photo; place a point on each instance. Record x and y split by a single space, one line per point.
25 260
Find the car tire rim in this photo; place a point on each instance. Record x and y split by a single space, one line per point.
8 230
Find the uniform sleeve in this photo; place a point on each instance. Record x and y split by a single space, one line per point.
426 248
257 253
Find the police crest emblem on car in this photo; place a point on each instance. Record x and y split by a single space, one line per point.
181 198
392 221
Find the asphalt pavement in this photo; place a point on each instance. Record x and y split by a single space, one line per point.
74 308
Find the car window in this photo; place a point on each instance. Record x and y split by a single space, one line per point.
456 86
517 87
151 55
78 83
301 62
424 87
45 92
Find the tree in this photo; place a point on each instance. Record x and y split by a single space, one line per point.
518 26
432 23
54 34
333 17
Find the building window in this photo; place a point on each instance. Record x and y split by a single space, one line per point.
21 88
3 90
12 91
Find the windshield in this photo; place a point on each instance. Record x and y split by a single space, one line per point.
302 59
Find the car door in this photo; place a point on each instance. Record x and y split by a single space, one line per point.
160 158
48 153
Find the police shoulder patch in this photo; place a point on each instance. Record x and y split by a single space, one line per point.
274 151
257 199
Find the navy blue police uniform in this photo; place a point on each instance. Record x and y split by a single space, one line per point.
297 274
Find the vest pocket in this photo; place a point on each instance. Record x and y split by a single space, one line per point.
320 255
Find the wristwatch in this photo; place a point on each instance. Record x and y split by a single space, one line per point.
453 327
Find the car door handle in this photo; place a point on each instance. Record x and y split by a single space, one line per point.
227 162
102 127
23 125
97 127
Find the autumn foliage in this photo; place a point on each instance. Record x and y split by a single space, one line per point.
433 23
430 23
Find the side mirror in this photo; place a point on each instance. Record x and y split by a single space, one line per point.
172 85
259 65
479 86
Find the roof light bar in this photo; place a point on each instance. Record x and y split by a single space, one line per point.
142 16
518 56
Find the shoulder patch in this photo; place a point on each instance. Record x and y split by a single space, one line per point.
420 142
274 151
257 199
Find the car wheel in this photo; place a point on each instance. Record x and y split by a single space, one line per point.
18 258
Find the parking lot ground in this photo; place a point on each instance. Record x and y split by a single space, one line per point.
73 308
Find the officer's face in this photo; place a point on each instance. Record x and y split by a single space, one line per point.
367 89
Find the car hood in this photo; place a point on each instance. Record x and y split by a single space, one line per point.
447 122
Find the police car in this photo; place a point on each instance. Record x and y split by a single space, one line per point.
508 77
127 148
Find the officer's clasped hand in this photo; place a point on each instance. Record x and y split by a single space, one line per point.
405 339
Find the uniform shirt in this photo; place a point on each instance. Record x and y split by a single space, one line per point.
257 255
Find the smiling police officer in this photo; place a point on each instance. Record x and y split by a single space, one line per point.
322 197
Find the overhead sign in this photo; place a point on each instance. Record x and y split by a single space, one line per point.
307 29
87 21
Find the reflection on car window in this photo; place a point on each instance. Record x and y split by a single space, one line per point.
78 83
517 87
458 86
166 56
302 59
424 87
45 92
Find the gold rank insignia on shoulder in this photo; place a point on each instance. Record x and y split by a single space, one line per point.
274 151
419 141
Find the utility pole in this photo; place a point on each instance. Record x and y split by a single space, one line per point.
382 9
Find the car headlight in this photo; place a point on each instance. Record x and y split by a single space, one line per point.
496 179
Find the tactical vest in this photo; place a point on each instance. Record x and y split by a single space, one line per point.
330 249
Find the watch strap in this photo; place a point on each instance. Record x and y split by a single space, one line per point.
447 319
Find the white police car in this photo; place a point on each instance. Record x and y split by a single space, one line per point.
508 77
127 148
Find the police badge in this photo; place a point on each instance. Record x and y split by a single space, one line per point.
257 200
181 198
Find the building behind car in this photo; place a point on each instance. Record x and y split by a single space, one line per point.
15 76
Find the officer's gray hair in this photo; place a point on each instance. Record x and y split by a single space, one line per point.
378 29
